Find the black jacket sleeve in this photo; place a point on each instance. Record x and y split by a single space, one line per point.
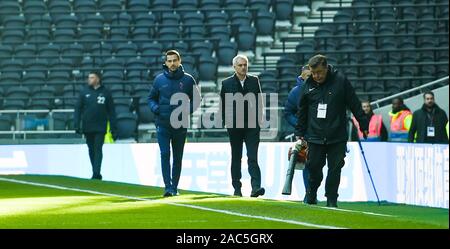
353 103
111 113
300 128
79 105
222 105
260 101
413 129
194 97
384 135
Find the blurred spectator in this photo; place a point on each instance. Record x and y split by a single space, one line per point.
291 108
401 118
429 123
377 130
291 105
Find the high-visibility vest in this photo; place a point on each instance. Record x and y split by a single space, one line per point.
400 124
108 136
446 128
375 124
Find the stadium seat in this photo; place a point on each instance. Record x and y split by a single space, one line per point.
262 5
122 105
34 78
73 51
240 19
225 53
5 123
6 50
109 8
14 22
136 6
283 65
38 36
10 8
221 33
13 104
59 8
202 48
246 39
207 68
126 50
145 115
283 9
66 22
210 4
34 8
186 4
126 125
10 36
19 92
63 35
11 64
25 50
265 22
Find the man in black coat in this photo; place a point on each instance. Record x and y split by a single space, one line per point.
241 109
324 100
428 123
93 109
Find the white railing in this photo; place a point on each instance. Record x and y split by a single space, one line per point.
377 102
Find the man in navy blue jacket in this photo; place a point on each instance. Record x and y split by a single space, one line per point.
172 81
291 109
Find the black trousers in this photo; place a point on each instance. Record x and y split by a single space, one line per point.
335 155
95 144
249 136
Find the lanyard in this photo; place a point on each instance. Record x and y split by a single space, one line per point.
431 116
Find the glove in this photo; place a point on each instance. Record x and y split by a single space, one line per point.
299 138
365 134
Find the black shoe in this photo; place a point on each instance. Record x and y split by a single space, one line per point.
167 194
174 192
237 193
310 199
258 192
332 203
97 177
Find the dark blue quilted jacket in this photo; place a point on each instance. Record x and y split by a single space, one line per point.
164 86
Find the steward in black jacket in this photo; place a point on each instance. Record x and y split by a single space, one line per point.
324 99
425 118
339 95
93 109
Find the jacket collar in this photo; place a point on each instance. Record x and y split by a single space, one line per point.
435 107
178 74
299 81
92 88
238 81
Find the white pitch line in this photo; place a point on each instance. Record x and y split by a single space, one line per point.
356 211
172 203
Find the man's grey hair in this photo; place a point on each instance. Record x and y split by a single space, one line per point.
239 56
318 60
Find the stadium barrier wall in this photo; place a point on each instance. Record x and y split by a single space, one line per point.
416 174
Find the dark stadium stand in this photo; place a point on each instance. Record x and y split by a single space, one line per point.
383 46
48 47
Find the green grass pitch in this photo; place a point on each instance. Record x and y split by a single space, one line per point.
66 202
